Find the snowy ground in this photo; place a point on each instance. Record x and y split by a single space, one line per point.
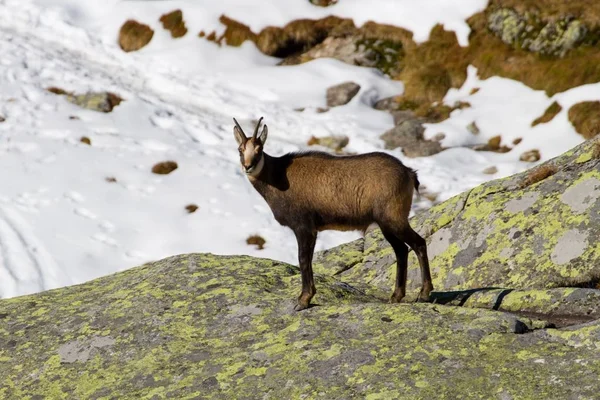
61 222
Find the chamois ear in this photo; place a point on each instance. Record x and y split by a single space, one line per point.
239 136
263 135
238 133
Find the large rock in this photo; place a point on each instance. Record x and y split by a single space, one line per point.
537 229
408 134
204 326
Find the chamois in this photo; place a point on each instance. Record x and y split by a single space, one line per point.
315 191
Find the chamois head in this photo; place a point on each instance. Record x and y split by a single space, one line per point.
251 149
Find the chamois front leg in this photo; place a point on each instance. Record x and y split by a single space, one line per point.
306 246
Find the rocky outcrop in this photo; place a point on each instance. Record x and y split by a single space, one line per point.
538 229
218 327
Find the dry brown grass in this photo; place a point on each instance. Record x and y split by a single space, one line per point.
433 67
538 174
585 117
429 69
295 37
191 208
134 35
548 115
174 23
256 240
164 168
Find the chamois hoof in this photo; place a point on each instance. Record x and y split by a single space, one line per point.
421 298
394 299
300 307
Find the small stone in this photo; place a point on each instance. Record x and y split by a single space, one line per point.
174 23
110 179
164 168
402 115
494 143
134 35
490 170
86 140
323 3
517 141
472 127
73 117
439 137
341 94
2 119
191 208
334 142
530 156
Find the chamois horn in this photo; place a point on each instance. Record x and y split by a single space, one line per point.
257 126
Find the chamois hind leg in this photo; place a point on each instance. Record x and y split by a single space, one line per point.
306 246
401 252
419 246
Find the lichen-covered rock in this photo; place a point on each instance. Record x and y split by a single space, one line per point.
513 233
529 32
217 327
95 101
341 94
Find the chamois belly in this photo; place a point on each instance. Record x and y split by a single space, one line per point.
343 227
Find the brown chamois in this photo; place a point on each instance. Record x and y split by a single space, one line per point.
314 191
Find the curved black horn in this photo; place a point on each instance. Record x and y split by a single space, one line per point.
239 127
257 126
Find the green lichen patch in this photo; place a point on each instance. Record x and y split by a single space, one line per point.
205 326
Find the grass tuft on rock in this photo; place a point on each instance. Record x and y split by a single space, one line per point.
538 174
256 240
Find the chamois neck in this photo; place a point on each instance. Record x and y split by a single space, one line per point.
258 170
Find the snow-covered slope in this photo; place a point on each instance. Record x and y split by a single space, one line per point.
62 222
